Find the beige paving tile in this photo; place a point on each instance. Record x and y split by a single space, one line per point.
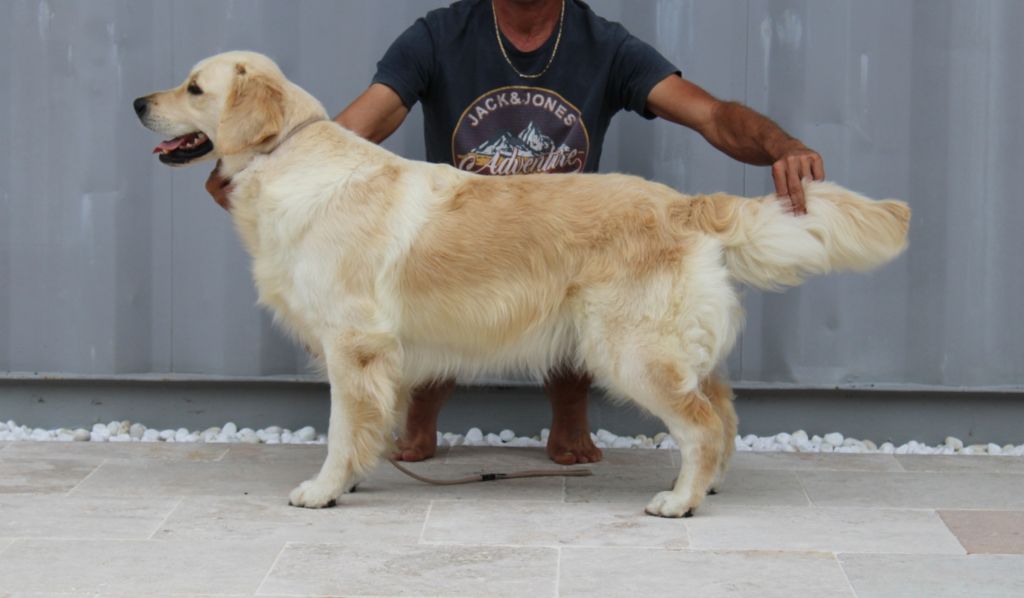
814 462
164 595
359 520
388 482
914 490
51 595
613 572
336 570
174 478
777 488
962 463
911 576
987 532
537 458
549 524
58 516
272 453
38 475
100 451
141 567
820 529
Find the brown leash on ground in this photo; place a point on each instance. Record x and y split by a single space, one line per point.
490 477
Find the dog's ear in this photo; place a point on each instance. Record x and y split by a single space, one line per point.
253 113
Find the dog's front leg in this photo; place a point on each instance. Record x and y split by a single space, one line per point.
363 369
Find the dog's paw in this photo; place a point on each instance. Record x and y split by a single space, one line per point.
670 504
315 494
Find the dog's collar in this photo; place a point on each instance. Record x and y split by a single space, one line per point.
298 128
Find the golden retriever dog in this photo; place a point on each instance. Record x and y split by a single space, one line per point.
399 272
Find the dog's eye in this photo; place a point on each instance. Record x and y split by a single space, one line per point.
194 89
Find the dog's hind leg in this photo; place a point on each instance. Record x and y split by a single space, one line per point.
363 369
698 428
661 359
718 391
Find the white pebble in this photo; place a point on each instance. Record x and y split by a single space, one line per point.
623 442
151 435
80 435
306 434
248 436
834 438
229 429
994 449
474 437
506 435
800 436
955 443
167 435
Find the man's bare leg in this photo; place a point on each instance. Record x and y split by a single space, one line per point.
419 439
569 441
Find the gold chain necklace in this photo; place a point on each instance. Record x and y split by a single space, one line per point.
501 45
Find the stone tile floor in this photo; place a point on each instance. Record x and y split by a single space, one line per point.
83 519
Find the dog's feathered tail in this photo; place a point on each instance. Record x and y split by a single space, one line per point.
769 248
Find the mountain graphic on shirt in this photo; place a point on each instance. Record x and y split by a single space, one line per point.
535 140
529 143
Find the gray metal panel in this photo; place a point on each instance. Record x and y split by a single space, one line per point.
111 263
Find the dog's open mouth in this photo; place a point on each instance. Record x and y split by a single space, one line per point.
184 149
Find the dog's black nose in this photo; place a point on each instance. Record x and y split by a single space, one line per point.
140 104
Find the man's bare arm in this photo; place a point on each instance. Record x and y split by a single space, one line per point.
741 133
374 115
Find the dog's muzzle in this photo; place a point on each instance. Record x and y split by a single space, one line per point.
180 150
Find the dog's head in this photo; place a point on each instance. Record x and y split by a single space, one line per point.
229 104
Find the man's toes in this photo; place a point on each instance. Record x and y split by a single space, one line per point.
573 449
417 449
564 458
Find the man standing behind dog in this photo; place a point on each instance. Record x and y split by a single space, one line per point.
530 86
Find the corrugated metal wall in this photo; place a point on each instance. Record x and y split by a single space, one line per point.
112 264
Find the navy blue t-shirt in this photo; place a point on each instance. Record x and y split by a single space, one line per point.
481 116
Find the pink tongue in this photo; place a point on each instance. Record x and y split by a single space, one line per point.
171 145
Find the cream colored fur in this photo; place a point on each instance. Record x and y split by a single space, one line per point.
398 272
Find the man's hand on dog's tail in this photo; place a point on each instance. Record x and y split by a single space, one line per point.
789 172
219 187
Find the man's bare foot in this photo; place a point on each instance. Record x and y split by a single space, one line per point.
569 442
419 440
569 447
419 447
